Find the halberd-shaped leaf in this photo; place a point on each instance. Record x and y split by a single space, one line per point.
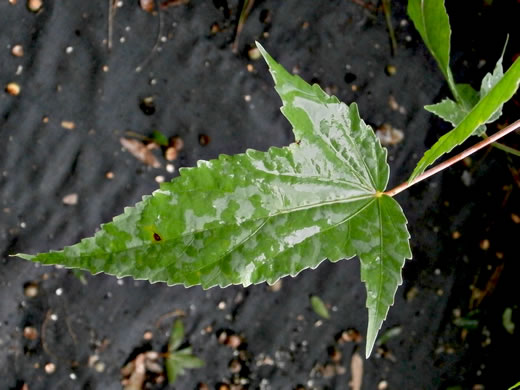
485 110
454 112
260 216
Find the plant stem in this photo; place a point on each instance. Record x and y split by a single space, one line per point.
430 172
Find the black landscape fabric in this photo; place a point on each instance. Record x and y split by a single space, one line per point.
87 73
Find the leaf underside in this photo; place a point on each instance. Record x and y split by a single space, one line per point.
259 216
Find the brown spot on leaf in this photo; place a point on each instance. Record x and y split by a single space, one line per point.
157 237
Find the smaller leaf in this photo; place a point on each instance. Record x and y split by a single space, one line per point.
515 386
468 95
159 138
319 307
186 360
431 20
387 335
176 336
448 110
173 369
507 321
479 115
466 322
452 112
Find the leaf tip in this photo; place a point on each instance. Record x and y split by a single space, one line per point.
374 324
23 256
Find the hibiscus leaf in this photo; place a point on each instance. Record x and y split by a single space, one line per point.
259 216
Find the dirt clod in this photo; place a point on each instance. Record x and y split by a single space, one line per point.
30 333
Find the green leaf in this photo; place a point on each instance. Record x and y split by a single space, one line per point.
185 359
433 24
479 115
159 138
176 336
488 82
468 95
514 386
259 216
173 370
388 334
507 320
382 245
448 110
319 307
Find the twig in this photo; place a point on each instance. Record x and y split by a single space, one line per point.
387 10
111 14
157 40
454 159
366 5
246 9
44 338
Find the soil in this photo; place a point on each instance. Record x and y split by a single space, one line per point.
63 172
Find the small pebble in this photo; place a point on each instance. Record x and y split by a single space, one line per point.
383 385
250 68
69 125
147 5
159 179
109 175
31 290
247 98
170 168
170 154
50 368
390 70
204 139
17 51
235 366
73 376
30 333
177 143
13 89
148 335
99 366
254 53
34 5
484 244
70 199
515 218
59 291
455 235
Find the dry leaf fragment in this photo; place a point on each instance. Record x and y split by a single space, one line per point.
389 135
70 199
140 151
356 371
